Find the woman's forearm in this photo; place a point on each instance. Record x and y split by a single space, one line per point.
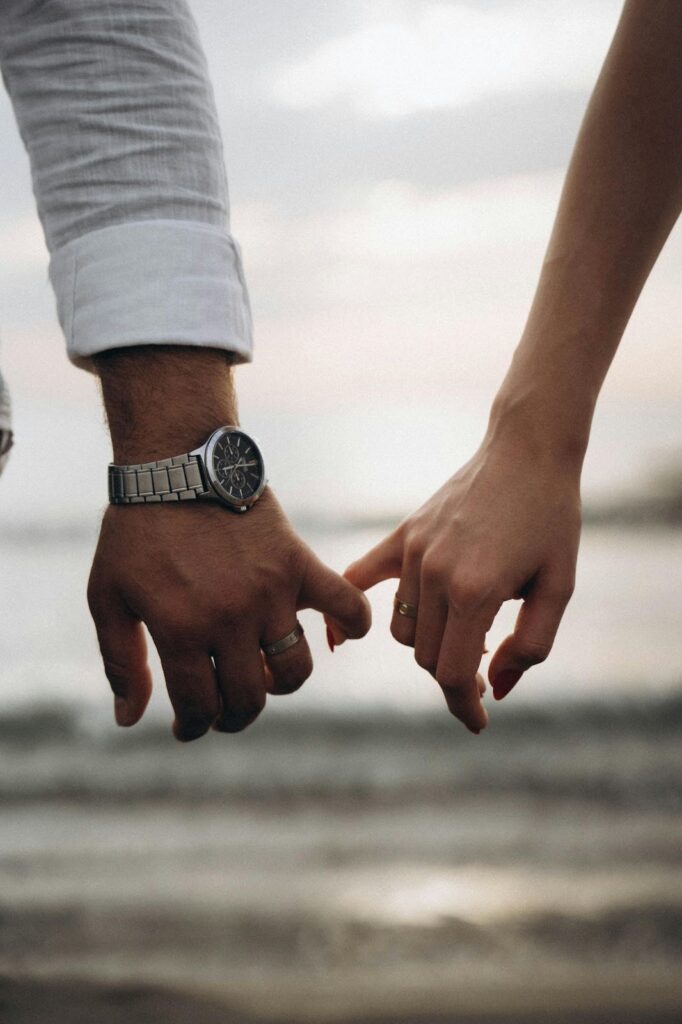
621 197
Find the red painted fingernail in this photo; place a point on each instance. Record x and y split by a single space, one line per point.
505 681
330 639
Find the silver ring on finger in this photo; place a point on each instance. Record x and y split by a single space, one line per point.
403 608
285 643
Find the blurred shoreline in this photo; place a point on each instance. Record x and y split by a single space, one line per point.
577 1001
611 752
334 868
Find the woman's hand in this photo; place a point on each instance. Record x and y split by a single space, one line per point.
507 525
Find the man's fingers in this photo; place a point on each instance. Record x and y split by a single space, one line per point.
457 669
342 604
192 688
124 654
242 683
534 633
382 562
289 669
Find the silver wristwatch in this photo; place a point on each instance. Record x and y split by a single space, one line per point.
227 468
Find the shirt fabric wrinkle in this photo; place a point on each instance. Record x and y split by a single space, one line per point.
116 110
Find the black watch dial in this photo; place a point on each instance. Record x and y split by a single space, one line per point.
238 465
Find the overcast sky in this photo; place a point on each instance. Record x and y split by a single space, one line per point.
394 169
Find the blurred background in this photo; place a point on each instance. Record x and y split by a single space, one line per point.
356 855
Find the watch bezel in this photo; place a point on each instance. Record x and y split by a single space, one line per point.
240 504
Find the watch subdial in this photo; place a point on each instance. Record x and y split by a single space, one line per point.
238 479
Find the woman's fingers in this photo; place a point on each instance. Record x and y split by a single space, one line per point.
431 620
534 633
382 562
458 661
404 627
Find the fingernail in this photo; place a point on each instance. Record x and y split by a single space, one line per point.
338 635
505 681
121 711
330 639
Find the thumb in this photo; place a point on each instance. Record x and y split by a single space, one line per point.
345 608
534 633
382 562
124 654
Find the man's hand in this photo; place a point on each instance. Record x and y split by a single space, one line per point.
210 585
506 525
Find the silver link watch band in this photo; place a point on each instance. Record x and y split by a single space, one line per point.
178 479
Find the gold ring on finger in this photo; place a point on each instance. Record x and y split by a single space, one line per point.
403 608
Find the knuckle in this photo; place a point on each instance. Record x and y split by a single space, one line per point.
114 668
355 610
176 628
534 651
98 598
426 661
467 591
415 545
234 608
362 616
453 683
562 591
431 570
117 674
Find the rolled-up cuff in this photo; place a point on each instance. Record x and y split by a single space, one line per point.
151 282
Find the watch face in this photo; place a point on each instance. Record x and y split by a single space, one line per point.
237 465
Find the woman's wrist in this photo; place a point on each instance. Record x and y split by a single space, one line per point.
545 420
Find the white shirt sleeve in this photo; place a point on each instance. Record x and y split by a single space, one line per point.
115 107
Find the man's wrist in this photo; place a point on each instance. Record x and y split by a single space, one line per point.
164 400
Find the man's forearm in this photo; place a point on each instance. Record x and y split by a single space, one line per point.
621 198
165 400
